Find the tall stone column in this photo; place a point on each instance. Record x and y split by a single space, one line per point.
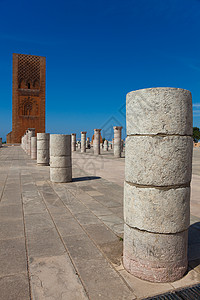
26 141
117 140
158 167
73 137
34 147
60 158
43 149
83 141
0 142
96 141
105 145
31 132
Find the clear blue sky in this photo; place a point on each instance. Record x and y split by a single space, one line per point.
96 52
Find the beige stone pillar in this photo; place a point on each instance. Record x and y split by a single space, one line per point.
33 147
158 167
110 146
31 132
0 142
88 143
43 149
105 145
60 158
73 137
83 141
117 140
96 141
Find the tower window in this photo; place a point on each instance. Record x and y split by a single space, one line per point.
29 86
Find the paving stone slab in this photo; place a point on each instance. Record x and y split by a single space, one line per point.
14 287
12 256
11 229
55 278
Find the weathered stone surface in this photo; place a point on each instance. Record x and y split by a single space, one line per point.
159 110
117 140
42 157
60 161
73 141
105 145
158 161
83 141
60 145
43 149
34 147
96 141
157 210
155 257
55 278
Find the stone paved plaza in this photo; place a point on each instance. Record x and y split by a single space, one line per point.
64 241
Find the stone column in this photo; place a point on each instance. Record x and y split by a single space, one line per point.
33 147
79 145
31 132
25 141
83 141
110 146
117 140
96 141
88 143
60 158
105 145
0 142
73 136
43 149
158 167
122 145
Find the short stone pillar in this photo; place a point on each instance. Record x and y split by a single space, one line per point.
73 141
117 140
88 143
60 158
96 141
110 146
79 145
43 149
122 145
0 142
83 141
105 145
30 133
33 147
158 167
26 141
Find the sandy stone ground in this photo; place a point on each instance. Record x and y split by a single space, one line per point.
64 241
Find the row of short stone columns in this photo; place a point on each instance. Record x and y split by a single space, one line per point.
117 142
157 179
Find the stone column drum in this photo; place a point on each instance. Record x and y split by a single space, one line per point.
31 132
83 141
117 140
157 183
73 137
60 158
105 145
96 141
33 147
43 149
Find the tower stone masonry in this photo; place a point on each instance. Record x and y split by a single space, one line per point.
28 95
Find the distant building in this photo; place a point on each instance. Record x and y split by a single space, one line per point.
28 95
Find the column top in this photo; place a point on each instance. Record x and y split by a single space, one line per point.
97 130
117 127
73 133
84 132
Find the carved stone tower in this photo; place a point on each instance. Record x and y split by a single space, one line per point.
28 95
